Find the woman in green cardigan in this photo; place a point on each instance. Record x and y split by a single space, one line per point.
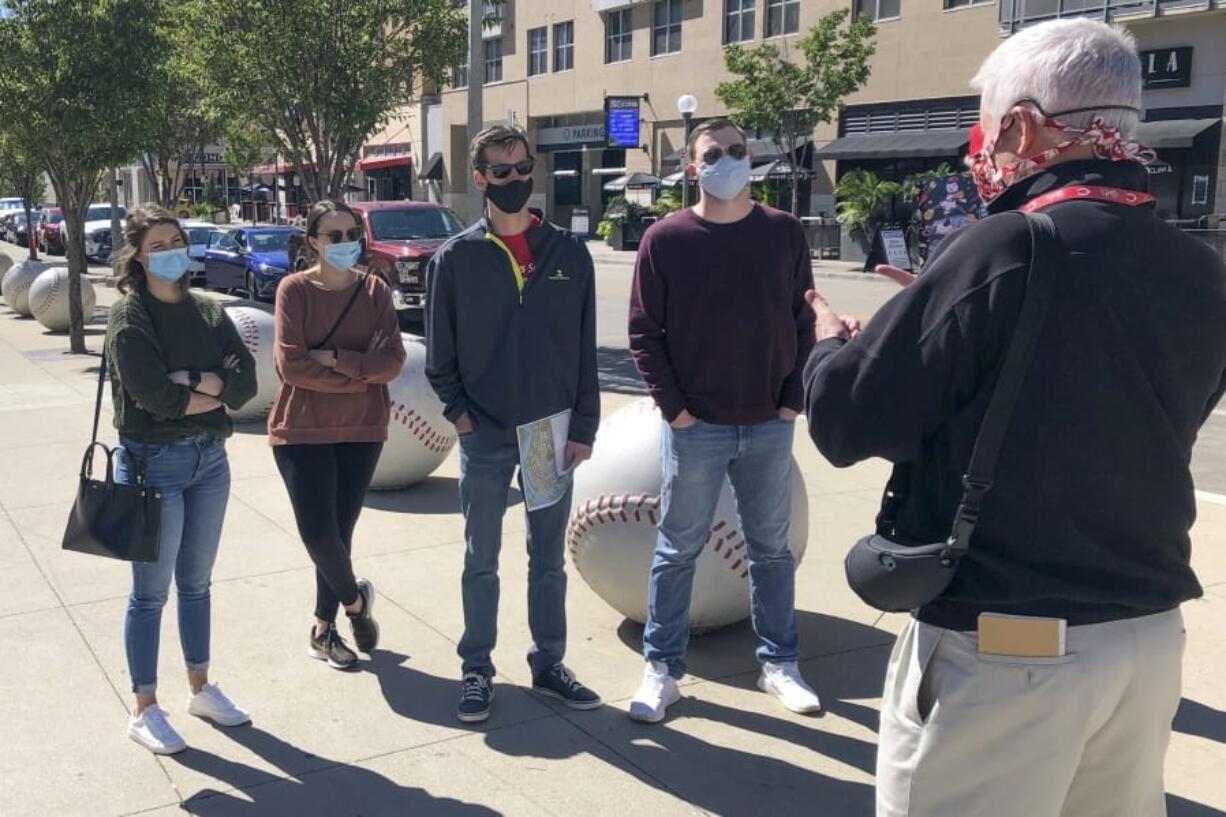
177 362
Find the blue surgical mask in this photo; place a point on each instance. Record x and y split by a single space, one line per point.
726 178
343 255
169 265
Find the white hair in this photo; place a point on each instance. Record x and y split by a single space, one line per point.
1064 65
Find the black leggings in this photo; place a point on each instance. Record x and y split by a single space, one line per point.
327 483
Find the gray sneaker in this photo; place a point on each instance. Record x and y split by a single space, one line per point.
365 628
332 648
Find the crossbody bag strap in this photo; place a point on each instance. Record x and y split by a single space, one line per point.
93 437
357 290
1045 249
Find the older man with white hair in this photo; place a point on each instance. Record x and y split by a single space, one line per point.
1040 676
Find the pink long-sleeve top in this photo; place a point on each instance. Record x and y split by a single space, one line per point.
347 403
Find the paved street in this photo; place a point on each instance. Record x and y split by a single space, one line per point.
384 741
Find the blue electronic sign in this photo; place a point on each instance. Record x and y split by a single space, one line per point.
622 121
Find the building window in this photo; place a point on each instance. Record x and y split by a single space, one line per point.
617 36
738 20
962 4
459 76
783 17
877 10
666 28
538 51
493 60
564 46
1016 14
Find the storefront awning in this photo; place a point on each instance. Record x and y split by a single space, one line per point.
433 170
1173 133
905 145
384 162
608 171
762 149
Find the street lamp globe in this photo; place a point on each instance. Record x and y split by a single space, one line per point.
687 104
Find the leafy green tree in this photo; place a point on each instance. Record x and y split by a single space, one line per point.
75 80
788 98
318 77
184 117
19 176
862 201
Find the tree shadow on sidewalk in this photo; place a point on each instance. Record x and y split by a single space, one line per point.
1194 718
332 788
1179 807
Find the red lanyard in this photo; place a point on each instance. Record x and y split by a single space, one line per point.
1089 192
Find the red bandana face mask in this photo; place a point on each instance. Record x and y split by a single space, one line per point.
1106 141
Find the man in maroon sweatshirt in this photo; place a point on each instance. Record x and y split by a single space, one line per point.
720 331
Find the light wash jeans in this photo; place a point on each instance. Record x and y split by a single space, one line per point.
194 478
486 470
758 461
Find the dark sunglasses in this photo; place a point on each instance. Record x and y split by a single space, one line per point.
713 154
337 236
501 171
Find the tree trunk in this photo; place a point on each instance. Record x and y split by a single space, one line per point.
74 248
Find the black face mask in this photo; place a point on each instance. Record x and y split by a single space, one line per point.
511 197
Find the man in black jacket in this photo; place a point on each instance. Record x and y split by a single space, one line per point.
511 339
1044 680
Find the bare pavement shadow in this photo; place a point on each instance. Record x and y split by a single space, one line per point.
332 788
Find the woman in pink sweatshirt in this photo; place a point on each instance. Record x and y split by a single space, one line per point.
337 346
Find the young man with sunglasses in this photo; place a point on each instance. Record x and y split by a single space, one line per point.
720 331
511 339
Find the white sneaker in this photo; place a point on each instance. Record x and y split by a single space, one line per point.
211 703
151 730
656 694
785 682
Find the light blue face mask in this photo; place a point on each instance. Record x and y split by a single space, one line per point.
169 265
726 178
343 255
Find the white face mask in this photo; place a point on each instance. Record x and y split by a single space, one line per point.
726 178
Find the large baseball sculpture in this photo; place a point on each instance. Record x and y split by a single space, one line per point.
256 328
419 438
5 263
16 285
48 299
611 535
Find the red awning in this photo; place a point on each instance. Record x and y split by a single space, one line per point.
381 162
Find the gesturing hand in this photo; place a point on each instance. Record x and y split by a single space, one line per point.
829 324
324 357
896 274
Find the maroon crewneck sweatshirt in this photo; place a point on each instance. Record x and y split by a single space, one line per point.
718 319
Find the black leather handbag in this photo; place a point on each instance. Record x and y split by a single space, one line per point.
108 518
897 577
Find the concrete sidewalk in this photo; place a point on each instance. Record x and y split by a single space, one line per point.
384 741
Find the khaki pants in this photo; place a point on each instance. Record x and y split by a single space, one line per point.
1082 735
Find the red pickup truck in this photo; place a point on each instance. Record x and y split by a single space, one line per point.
401 236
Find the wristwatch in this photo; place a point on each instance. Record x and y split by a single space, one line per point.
193 379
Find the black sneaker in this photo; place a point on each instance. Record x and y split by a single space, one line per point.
559 682
332 648
365 628
475 699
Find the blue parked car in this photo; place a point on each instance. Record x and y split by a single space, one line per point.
252 260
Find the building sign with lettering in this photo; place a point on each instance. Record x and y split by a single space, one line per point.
622 121
571 137
1167 68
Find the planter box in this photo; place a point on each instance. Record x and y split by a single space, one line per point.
850 249
627 235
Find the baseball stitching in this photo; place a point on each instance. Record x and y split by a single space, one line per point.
250 331
608 509
55 290
420 428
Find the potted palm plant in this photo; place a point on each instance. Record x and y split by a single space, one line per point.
863 200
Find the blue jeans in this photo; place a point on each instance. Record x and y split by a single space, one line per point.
758 462
486 469
194 478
